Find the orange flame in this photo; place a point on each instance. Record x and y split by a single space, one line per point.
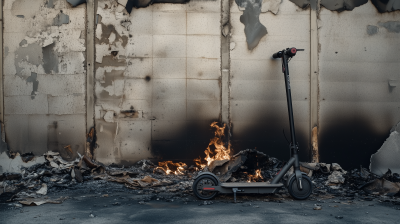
255 177
169 167
221 152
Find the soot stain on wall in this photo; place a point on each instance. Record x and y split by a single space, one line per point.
386 5
253 28
188 143
266 135
349 142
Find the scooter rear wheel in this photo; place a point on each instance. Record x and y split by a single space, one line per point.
300 194
205 180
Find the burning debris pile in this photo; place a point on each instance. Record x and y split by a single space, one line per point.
31 186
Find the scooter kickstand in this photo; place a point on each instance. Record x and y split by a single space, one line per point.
235 189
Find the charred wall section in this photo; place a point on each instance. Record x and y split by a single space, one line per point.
358 104
258 108
44 76
157 80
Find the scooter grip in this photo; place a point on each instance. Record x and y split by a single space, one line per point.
277 54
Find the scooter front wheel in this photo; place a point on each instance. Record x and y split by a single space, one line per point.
199 183
300 194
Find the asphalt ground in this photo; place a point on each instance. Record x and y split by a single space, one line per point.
123 207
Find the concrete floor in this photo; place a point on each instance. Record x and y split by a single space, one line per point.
250 209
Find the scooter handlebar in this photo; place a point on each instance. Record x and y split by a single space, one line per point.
289 52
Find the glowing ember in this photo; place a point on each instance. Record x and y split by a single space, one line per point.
255 177
220 152
168 167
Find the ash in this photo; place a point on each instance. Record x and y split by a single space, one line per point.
57 180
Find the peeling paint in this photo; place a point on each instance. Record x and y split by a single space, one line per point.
50 4
386 5
75 3
28 54
342 5
333 5
61 19
372 30
253 28
35 82
391 26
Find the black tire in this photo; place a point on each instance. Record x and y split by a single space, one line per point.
295 192
198 187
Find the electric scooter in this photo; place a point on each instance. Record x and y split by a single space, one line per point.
206 185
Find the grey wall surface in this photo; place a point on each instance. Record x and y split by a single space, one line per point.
165 72
44 76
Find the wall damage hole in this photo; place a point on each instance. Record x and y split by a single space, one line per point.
391 26
147 78
26 157
21 16
114 53
35 82
131 113
386 5
75 3
50 59
253 28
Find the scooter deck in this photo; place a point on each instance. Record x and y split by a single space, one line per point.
250 185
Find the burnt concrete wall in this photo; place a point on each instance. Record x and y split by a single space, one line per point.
164 72
157 80
258 98
359 73
44 76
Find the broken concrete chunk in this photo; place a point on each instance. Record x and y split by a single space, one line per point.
40 201
336 178
42 190
75 3
78 175
386 5
382 186
216 163
388 155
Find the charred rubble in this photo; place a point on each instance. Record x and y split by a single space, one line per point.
175 180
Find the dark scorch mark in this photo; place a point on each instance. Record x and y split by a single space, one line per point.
386 5
35 82
253 28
